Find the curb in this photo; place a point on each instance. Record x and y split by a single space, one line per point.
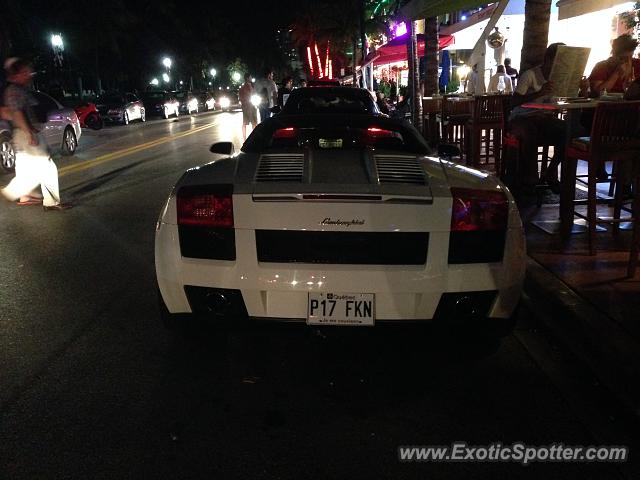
596 339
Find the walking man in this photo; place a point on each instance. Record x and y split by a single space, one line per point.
34 165
249 114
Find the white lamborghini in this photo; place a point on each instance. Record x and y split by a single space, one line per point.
337 215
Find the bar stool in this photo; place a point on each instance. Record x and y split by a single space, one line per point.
431 107
485 127
510 163
614 133
455 114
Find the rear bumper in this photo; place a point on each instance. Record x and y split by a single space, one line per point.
279 291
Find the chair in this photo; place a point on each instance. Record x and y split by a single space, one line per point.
485 126
614 132
455 114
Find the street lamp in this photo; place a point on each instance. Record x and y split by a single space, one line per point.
166 61
236 76
165 77
213 72
154 82
58 46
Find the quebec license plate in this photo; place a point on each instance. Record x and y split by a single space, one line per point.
357 309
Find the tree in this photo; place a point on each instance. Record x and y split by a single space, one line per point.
537 14
431 44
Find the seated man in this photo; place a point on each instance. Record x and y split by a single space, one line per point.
535 127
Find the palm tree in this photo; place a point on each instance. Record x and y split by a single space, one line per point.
537 14
431 56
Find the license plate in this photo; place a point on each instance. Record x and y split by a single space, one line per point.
330 142
356 309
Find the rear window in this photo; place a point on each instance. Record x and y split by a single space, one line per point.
396 137
326 101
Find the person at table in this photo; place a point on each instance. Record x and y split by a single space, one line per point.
535 127
494 82
617 72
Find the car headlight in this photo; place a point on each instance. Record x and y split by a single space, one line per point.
256 100
225 102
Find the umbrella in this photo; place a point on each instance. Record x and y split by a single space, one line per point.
446 67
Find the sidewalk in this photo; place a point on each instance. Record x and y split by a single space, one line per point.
587 302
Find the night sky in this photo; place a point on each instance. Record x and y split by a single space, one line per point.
124 40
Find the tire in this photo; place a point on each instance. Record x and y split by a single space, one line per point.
125 118
7 154
94 121
69 142
143 116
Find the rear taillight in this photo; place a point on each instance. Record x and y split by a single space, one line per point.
475 210
205 206
376 132
479 221
285 133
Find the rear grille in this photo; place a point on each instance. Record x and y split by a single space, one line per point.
349 248
399 169
280 168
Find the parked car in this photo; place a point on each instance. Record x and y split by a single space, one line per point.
61 131
339 219
159 103
188 102
7 154
121 108
206 101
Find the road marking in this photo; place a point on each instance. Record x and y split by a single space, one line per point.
78 167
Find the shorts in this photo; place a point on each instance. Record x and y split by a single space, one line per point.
249 115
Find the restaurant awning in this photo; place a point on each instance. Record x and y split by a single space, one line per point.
574 8
396 49
418 9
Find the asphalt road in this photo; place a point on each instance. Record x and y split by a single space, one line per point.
91 385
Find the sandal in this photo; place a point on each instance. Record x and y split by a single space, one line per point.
30 201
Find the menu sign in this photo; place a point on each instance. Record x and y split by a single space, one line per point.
568 69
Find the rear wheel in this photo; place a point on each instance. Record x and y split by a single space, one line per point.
69 142
94 121
7 154
143 115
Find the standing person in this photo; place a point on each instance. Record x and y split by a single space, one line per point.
512 72
34 165
268 91
616 73
494 82
475 82
535 127
285 91
249 114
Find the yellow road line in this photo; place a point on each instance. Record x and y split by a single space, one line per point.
78 167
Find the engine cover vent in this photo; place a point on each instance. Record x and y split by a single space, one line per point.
399 169
282 167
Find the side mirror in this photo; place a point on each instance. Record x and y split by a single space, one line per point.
448 151
276 109
223 148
